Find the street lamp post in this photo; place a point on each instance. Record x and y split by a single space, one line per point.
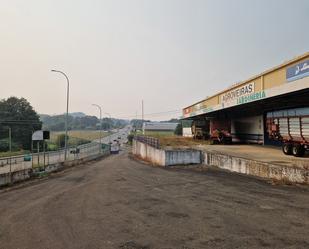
67 113
100 125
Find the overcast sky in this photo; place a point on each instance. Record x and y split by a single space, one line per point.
171 53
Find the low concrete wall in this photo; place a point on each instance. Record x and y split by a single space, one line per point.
16 176
257 168
25 174
148 153
165 157
181 157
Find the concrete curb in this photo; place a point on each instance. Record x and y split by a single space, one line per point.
256 168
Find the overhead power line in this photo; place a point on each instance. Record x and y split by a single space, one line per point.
19 122
154 114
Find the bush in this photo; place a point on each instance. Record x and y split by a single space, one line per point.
178 130
130 138
5 146
52 147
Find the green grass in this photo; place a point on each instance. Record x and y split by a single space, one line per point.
76 137
13 153
155 133
82 134
159 133
169 139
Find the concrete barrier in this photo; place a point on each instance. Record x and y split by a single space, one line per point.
257 168
24 174
166 157
182 157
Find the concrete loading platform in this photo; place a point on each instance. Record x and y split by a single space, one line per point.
256 160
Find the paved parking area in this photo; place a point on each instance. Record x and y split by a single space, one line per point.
269 154
121 203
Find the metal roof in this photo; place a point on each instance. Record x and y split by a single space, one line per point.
286 63
159 126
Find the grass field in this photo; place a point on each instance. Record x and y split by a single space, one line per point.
76 137
82 134
168 139
13 153
159 133
179 141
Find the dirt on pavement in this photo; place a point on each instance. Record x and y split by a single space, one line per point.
121 203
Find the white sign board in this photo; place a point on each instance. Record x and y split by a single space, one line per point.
37 136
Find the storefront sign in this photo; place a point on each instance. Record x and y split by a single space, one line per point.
237 93
298 71
251 97
254 96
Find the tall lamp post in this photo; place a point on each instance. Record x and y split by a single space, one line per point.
100 125
67 113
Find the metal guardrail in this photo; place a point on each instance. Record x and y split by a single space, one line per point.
43 159
152 141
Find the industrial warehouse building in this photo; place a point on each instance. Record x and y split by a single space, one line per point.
159 127
245 107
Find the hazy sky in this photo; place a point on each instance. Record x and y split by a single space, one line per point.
170 53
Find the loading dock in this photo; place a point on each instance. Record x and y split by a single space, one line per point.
243 108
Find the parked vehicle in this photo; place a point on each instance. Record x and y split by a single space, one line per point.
291 127
200 129
220 131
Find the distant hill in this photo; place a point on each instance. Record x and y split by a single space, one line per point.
79 121
77 114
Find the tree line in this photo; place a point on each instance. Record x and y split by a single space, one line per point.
18 120
82 122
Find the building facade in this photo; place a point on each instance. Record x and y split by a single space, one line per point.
245 106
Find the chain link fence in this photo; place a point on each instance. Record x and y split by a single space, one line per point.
43 159
152 141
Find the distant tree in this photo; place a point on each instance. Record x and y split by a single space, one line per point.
19 115
173 120
138 123
178 130
57 122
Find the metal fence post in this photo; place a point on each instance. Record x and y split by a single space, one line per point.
10 169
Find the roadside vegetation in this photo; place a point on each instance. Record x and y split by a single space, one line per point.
18 120
76 138
171 139
80 121
177 141
13 153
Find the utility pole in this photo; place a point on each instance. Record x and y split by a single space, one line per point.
110 128
10 146
136 121
143 117
10 139
100 109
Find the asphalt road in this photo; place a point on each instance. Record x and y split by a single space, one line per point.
120 203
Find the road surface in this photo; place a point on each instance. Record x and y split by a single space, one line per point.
120 203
